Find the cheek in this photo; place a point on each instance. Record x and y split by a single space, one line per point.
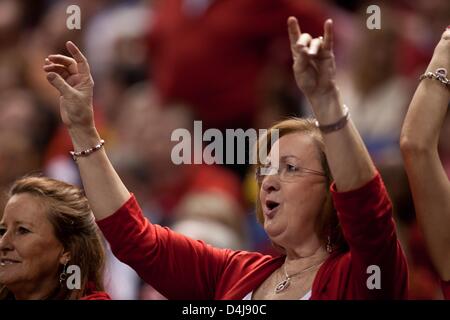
306 202
39 257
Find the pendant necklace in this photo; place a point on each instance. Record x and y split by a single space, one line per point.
284 284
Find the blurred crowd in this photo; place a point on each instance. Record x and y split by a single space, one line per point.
160 65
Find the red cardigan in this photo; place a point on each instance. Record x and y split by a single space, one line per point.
446 289
96 295
182 268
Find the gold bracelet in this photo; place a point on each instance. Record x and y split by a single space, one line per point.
76 154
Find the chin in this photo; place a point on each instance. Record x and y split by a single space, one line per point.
274 233
7 278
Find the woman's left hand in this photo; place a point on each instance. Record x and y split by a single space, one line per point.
314 65
71 76
441 54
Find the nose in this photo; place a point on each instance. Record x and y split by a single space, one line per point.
5 243
271 183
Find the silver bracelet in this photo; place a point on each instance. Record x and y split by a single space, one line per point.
440 75
328 128
76 154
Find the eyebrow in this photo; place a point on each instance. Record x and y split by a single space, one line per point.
25 223
29 224
289 156
285 157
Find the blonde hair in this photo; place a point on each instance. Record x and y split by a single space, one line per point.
328 225
74 226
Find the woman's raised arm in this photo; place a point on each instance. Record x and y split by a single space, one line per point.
72 78
429 183
359 196
314 70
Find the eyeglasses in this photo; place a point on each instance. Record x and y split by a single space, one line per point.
287 171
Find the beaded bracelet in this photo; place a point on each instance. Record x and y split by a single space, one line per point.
76 154
440 75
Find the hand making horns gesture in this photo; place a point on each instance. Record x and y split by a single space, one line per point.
314 65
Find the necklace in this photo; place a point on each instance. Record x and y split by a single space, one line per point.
284 284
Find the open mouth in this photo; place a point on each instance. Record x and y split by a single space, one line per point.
6 262
271 206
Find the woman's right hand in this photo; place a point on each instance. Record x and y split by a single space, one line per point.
72 78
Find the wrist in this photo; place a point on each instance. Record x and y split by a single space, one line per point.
84 137
438 77
335 126
327 107
324 97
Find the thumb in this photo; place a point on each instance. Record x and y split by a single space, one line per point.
58 82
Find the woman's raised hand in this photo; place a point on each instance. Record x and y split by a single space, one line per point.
441 55
314 65
72 78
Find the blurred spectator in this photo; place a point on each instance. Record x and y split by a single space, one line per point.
143 150
375 93
20 113
50 35
116 47
17 158
213 217
211 54
420 23
25 129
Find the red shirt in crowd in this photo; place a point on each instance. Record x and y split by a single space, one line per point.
182 268
213 57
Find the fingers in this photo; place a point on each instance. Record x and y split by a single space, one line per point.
293 30
58 82
328 35
303 43
58 68
83 66
65 72
68 62
304 39
315 46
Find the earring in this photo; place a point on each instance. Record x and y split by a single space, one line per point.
329 246
63 274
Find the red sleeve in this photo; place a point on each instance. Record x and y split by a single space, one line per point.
365 215
446 289
97 296
176 266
